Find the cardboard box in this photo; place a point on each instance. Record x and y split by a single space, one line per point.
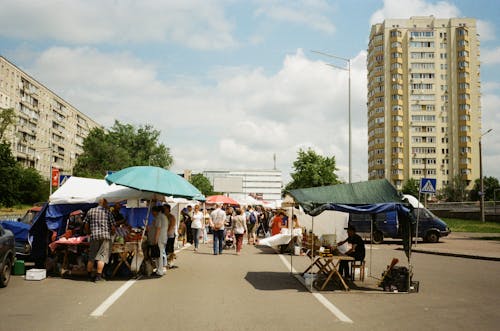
36 274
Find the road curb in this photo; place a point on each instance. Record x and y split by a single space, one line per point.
465 256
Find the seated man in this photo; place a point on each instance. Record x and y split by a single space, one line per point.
357 250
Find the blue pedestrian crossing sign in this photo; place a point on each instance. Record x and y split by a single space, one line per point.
63 179
428 185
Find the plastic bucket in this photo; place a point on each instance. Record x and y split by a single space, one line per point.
309 279
19 268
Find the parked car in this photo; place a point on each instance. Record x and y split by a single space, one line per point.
430 227
7 255
20 229
30 215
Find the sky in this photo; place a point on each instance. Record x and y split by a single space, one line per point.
230 83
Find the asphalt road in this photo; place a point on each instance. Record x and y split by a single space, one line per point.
255 291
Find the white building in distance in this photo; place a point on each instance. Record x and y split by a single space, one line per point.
261 184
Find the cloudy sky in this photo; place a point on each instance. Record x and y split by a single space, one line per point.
229 83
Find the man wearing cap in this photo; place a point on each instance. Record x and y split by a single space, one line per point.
357 250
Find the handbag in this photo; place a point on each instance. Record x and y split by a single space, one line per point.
154 251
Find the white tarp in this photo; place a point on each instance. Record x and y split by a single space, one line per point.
282 238
88 190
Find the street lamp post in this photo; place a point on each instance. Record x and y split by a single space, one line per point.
481 203
348 69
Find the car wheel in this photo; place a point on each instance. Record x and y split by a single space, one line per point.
432 237
378 237
5 273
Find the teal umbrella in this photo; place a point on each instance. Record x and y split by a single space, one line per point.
155 180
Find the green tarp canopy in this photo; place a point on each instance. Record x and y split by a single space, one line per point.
362 193
370 197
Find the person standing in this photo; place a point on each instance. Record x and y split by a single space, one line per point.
170 234
206 225
158 236
252 225
217 223
187 215
100 223
196 226
239 227
276 223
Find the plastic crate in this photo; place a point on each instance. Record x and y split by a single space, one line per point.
36 274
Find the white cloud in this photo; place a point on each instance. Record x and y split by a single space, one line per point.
239 122
407 8
199 24
490 56
486 30
491 141
311 13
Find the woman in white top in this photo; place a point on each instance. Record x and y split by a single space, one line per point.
239 226
196 226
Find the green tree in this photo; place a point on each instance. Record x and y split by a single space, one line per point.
202 183
6 119
32 186
455 190
122 146
411 186
9 173
312 170
490 185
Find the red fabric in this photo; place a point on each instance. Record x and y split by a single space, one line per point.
70 241
239 242
276 228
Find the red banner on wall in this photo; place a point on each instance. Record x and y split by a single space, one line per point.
55 177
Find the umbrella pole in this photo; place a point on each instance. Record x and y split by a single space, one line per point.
290 227
312 244
146 221
371 245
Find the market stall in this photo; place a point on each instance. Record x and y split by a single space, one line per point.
371 197
67 247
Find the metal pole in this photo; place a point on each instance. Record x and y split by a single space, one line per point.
481 203
418 218
50 163
350 133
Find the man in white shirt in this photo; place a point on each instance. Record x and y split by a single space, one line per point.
218 217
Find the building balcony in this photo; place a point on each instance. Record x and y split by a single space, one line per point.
397 134
399 166
465 144
397 71
397 60
464 69
397 155
397 176
397 102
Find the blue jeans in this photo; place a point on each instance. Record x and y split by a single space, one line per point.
196 237
218 241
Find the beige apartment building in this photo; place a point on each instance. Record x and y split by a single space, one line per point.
424 110
47 129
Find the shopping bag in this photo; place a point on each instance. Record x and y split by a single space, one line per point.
154 251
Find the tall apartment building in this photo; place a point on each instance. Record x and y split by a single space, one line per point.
424 111
46 126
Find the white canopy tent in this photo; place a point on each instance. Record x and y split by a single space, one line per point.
87 190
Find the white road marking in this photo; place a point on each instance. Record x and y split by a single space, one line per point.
112 299
99 311
324 301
